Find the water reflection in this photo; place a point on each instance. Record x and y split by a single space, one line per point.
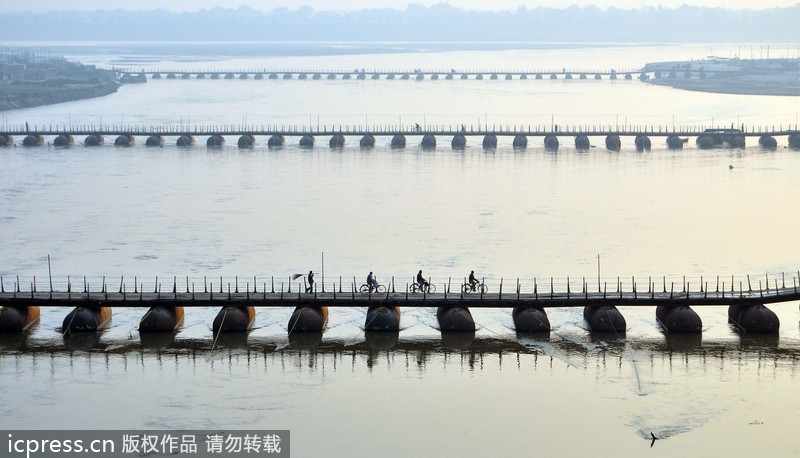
305 340
13 341
231 340
591 350
157 339
383 340
458 340
83 341
683 342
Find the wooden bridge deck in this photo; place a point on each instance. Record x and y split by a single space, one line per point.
339 299
391 130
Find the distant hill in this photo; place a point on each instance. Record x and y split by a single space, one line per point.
417 23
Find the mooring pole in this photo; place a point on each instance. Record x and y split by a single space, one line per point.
598 273
50 273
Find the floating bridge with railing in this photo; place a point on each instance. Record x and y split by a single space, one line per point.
528 300
426 136
141 76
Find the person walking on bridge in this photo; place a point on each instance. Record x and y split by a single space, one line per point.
310 287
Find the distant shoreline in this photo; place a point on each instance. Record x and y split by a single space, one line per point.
28 80
27 96
778 76
729 87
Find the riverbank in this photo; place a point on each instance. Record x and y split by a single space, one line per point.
32 95
730 85
28 81
728 76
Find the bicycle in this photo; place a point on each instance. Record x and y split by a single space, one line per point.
428 288
480 287
366 289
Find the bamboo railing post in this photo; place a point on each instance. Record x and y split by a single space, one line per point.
568 289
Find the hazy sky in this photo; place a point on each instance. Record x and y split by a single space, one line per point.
324 5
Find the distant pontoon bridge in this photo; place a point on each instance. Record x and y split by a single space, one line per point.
425 136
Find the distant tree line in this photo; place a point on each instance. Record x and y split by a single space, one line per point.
417 23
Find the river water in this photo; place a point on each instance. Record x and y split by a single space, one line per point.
151 215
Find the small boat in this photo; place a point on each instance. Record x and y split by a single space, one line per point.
86 319
234 319
604 318
455 318
678 318
530 319
754 318
161 319
308 319
18 318
383 318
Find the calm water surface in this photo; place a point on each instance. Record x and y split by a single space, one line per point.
506 214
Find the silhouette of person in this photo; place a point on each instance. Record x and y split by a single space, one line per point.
472 280
310 287
421 280
372 282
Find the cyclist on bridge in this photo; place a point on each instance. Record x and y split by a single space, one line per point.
472 280
421 280
372 282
